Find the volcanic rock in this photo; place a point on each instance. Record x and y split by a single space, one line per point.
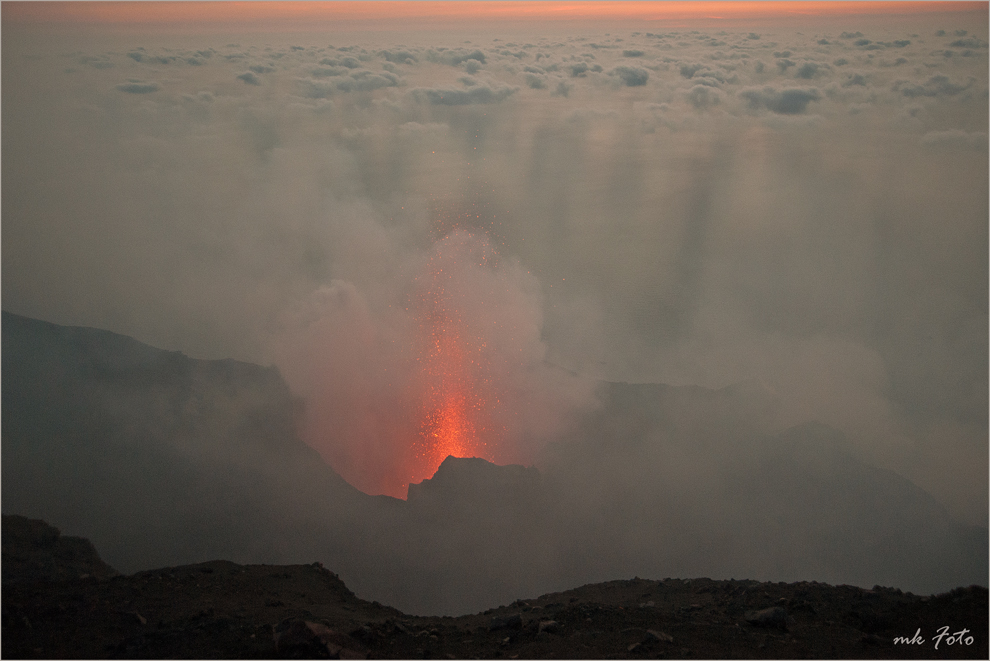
217 610
36 551
653 636
163 459
295 638
474 481
775 617
509 622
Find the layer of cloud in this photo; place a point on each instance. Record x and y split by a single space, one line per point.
139 87
631 76
462 97
785 101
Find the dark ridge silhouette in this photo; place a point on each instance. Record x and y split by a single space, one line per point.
35 551
163 460
220 609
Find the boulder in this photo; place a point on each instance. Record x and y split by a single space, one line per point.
775 618
296 639
509 622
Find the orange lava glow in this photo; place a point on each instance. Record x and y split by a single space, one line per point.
458 396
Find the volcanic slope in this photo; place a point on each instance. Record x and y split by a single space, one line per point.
163 460
225 610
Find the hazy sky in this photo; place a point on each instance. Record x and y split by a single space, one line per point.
682 193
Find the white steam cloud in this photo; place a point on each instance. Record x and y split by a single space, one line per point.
362 364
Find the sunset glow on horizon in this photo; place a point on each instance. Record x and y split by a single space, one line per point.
314 15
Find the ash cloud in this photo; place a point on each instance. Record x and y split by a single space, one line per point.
535 81
631 76
455 58
139 87
938 85
360 365
785 101
703 96
249 78
482 94
955 138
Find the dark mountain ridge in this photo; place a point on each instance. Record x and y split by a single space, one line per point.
33 551
220 609
164 460
158 458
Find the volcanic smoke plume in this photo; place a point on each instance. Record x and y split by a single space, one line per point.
453 366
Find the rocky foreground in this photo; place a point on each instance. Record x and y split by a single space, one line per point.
224 610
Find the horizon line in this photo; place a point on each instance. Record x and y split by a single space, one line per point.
296 14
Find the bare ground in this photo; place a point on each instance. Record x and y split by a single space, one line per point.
223 610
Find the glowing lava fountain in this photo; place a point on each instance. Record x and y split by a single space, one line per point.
459 397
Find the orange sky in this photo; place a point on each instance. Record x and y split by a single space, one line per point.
274 15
